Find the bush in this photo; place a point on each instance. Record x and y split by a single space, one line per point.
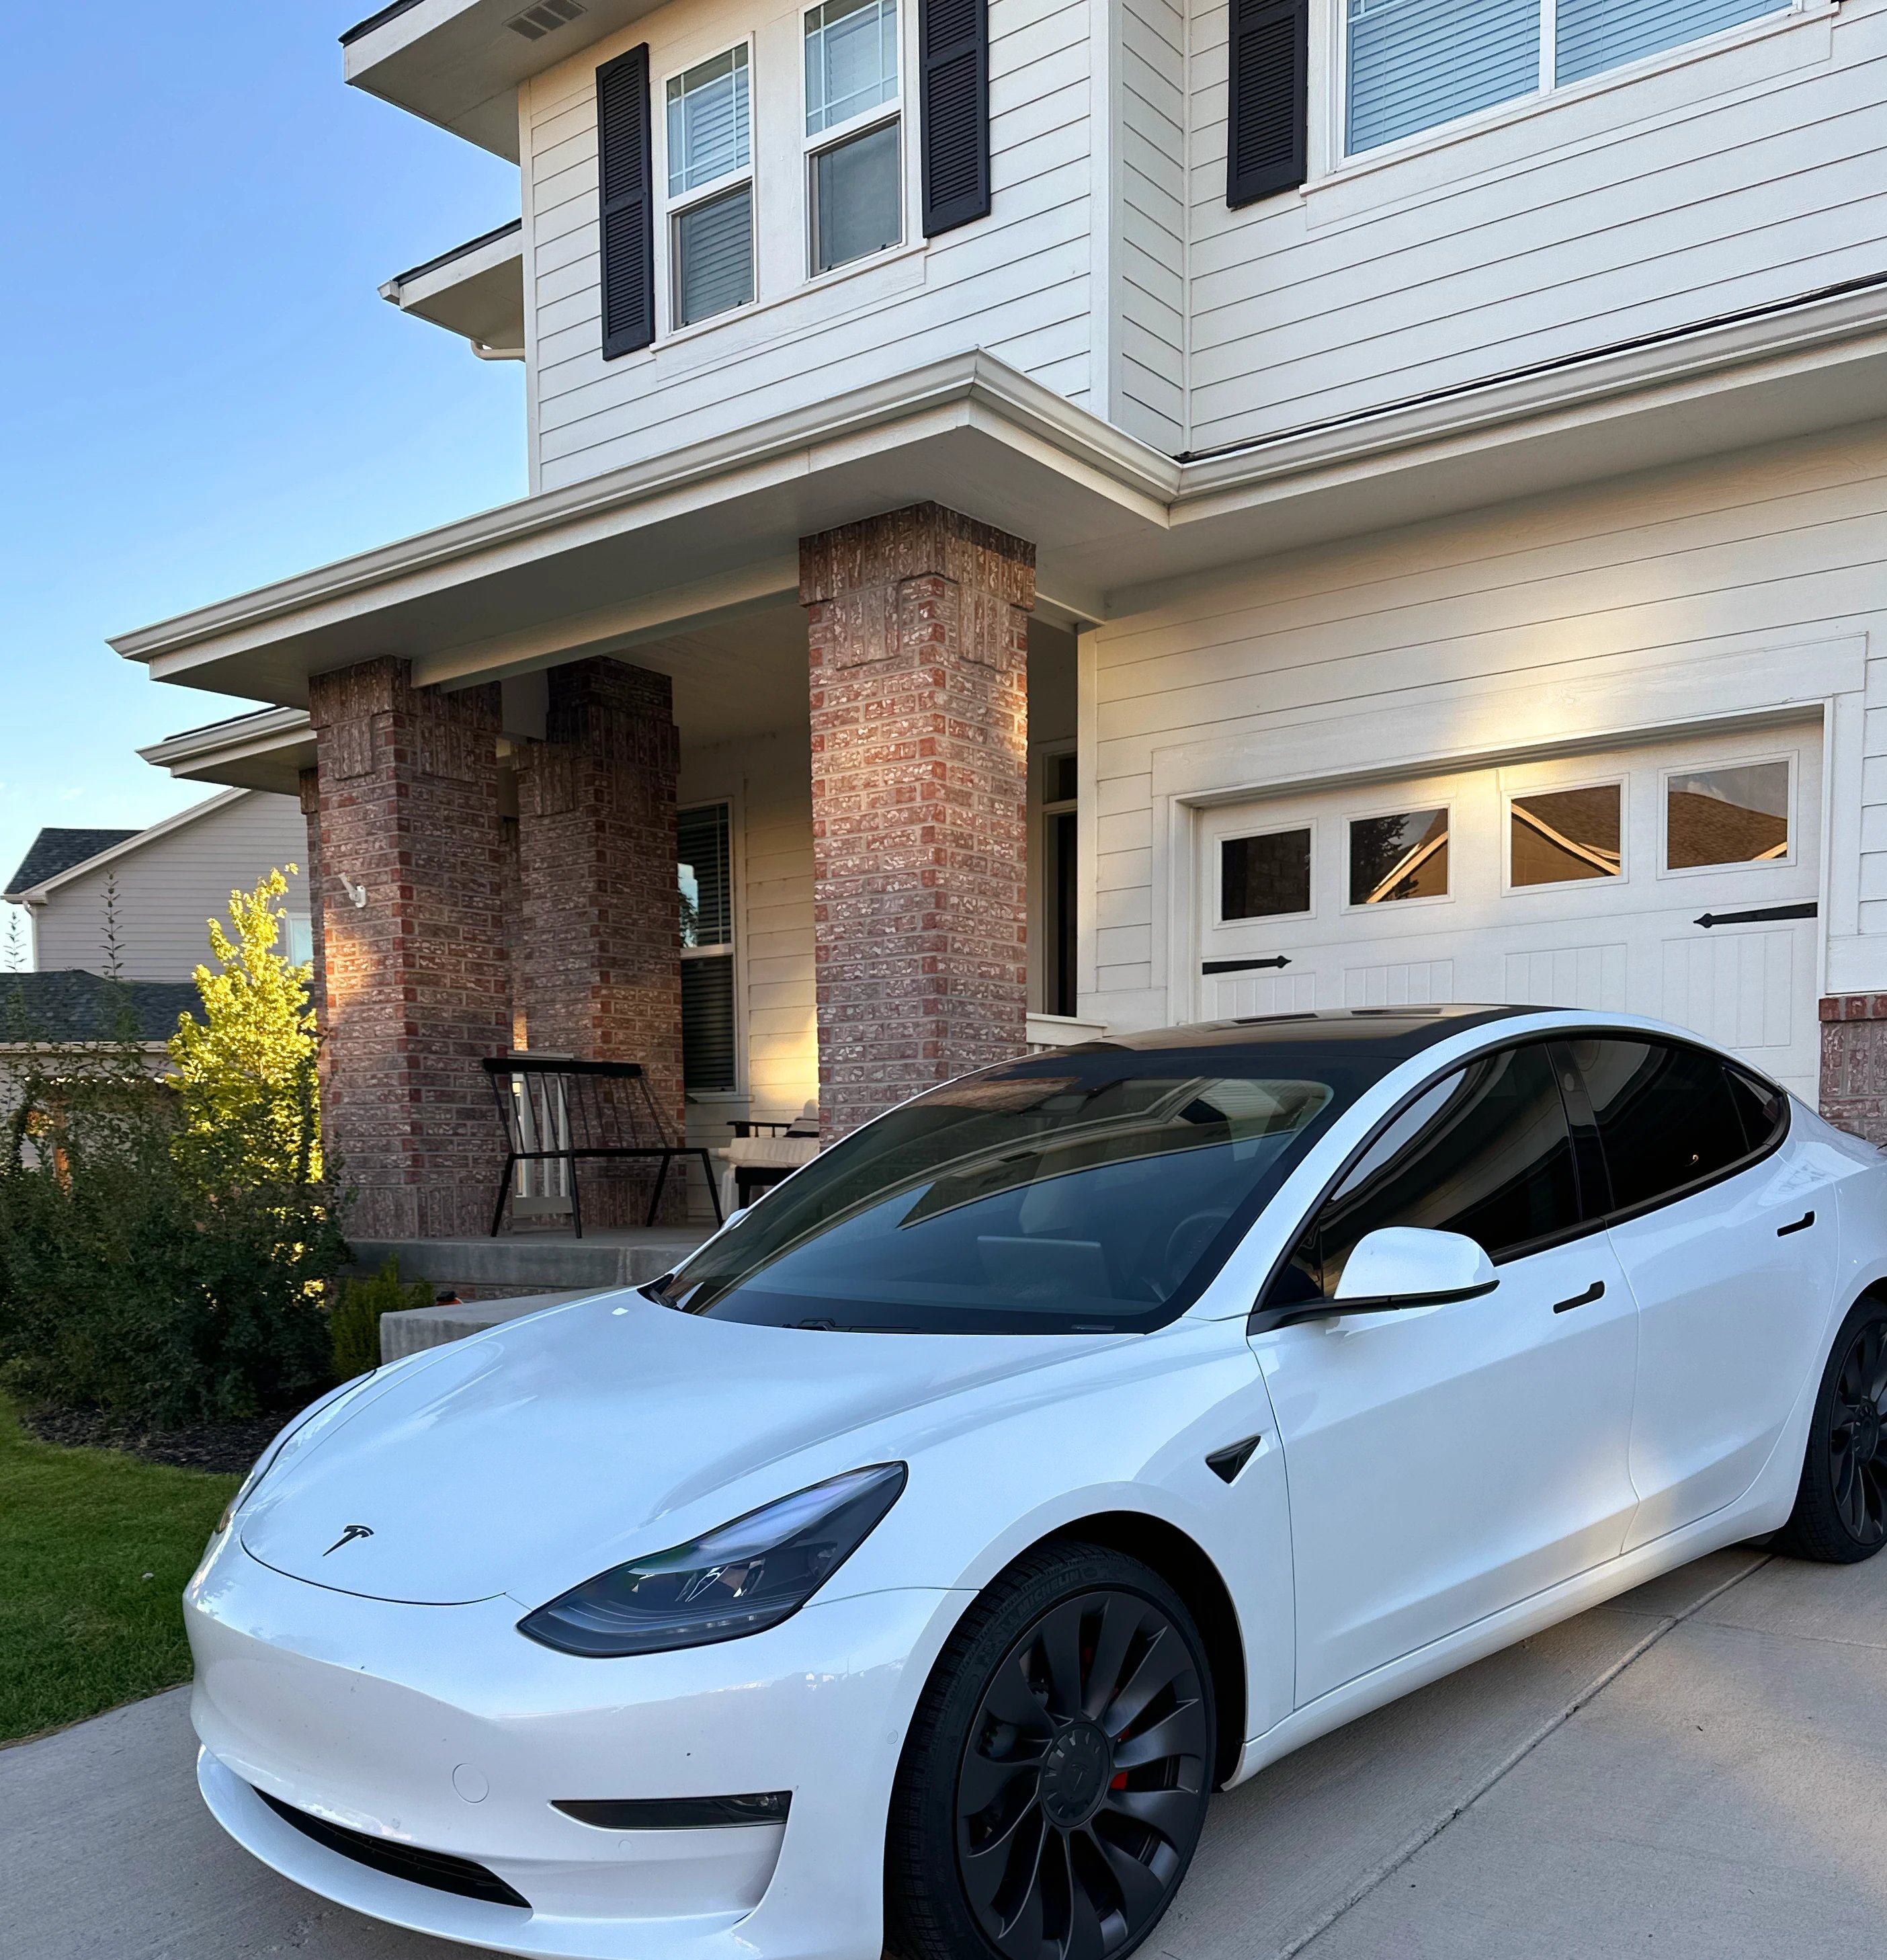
354 1325
165 1248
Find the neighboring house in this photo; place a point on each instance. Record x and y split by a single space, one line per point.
161 887
1294 505
45 1012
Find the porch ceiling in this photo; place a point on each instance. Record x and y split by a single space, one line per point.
689 563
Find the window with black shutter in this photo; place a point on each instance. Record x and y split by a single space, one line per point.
1268 65
954 109
628 209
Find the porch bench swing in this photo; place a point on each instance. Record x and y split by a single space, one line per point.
558 1112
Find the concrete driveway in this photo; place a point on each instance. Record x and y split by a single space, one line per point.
1697 1771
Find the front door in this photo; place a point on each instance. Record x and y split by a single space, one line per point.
1444 1462
1677 879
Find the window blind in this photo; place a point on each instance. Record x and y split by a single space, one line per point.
714 249
1594 35
1416 63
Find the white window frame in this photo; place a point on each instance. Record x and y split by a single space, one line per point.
1261 919
1338 159
675 206
1407 806
1790 758
1510 794
835 134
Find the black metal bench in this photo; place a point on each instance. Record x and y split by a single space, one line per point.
557 1110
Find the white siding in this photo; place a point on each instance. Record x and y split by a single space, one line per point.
1016 283
1702 182
1657 597
168 889
1151 221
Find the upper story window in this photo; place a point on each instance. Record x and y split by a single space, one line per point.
855 184
710 187
1412 65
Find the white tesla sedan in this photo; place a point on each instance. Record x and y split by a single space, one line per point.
908 1567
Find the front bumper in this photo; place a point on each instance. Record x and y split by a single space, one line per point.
443 1728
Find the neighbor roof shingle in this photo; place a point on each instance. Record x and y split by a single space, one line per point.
53 852
71 1005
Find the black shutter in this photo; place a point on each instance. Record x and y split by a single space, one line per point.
625 169
1268 56
953 40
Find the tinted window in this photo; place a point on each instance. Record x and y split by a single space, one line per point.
1081 1191
1667 1116
1485 1152
1763 1109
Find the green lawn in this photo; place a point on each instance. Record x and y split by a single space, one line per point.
95 1549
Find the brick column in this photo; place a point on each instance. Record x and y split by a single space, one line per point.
599 945
919 633
412 946
1854 1065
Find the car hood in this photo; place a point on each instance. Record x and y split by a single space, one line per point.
525 1458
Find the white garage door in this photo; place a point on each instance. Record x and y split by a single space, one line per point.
1678 880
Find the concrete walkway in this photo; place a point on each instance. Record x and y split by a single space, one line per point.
1697 1771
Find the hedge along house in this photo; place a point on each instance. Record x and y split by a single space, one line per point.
1126 513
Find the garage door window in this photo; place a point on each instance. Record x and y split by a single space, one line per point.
1735 816
1265 877
1485 1152
1558 837
1405 856
1669 1118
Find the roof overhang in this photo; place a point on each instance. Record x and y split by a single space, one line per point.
692 540
265 751
476 290
458 63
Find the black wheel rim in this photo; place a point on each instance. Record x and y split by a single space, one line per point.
1084 1780
1857 1443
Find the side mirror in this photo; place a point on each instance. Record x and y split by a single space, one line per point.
1403 1265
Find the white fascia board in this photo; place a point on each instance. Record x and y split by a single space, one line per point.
478 294
267 751
38 894
1112 520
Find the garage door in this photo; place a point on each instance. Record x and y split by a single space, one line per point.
1678 880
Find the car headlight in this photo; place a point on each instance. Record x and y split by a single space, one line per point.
279 1448
740 1578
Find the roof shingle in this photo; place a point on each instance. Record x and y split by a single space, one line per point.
53 852
71 1005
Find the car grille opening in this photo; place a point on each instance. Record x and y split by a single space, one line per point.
444 1872
676 1813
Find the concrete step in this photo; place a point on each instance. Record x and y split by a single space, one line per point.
529 1261
403 1334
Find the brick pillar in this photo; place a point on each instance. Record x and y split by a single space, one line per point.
599 946
308 781
1854 1065
412 938
919 632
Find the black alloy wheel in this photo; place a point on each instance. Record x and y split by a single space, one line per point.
1841 1508
1055 1782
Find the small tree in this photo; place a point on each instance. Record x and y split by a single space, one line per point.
246 1072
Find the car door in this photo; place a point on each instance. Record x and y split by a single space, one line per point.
1727 1235
1445 1462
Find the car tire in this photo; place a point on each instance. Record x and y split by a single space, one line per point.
1841 1505
1055 1778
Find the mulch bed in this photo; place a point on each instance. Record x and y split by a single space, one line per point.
228 1446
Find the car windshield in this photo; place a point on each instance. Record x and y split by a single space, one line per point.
1092 1191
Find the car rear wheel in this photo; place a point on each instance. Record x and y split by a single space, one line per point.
1055 1779
1840 1507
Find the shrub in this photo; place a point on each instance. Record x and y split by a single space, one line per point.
354 1325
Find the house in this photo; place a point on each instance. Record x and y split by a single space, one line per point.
138 902
1128 513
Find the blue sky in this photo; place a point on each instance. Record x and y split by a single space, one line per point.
203 390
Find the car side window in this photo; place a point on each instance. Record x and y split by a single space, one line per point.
1485 1152
1762 1106
1668 1117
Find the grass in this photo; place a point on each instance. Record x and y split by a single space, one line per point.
95 1550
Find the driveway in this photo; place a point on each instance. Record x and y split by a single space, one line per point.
1697 1771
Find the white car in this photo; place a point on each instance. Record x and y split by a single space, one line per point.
907 1569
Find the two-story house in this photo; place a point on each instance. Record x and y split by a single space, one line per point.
1134 512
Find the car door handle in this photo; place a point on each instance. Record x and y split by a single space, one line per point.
1596 1291
1802 1224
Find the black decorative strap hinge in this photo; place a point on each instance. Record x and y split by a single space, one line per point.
1760 916
1242 966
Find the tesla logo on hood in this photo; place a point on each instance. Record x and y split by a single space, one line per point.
349 1535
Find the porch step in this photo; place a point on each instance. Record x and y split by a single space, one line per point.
433 1326
553 1262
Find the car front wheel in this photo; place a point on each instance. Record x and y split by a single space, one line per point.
1841 1506
1054 1782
